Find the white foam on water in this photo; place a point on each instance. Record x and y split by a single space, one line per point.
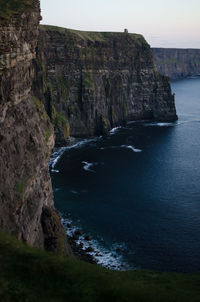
114 130
136 122
87 166
165 124
55 171
131 148
74 192
110 258
56 156
159 124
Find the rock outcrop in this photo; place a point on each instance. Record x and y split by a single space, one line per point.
177 63
92 81
26 135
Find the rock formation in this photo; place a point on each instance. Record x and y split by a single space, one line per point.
92 81
177 63
26 135
86 83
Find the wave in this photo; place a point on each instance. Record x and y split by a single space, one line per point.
114 130
159 124
110 258
74 192
56 156
136 122
87 166
55 171
132 148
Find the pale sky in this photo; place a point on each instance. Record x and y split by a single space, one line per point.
164 23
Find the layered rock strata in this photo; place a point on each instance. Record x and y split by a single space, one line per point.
26 136
92 81
177 63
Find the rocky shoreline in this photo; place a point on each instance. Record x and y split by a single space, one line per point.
85 248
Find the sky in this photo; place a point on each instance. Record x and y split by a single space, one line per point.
163 23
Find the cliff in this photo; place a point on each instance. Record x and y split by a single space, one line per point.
177 63
26 135
93 81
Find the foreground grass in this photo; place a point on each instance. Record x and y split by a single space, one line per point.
28 274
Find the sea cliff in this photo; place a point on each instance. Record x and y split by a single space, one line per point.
26 135
91 82
81 84
177 63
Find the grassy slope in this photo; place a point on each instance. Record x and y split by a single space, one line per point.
29 274
88 35
10 7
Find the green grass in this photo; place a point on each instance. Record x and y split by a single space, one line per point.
20 187
47 135
88 35
10 7
60 119
32 275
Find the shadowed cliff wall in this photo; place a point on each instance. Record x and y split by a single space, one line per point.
26 135
92 81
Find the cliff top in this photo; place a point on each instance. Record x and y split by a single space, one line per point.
92 35
9 8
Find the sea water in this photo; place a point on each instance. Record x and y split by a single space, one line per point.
136 192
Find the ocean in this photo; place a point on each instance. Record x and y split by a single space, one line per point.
136 192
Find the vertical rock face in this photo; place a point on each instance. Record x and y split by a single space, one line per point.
91 82
26 134
177 63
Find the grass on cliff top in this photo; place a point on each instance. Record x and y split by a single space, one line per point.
31 275
11 7
87 35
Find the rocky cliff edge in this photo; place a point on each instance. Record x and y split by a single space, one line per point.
26 135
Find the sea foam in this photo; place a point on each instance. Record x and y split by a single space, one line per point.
131 148
110 258
114 130
158 124
87 166
56 156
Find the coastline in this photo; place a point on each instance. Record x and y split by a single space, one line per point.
84 247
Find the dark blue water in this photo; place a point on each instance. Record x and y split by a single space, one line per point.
148 201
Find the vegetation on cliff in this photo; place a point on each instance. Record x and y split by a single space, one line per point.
97 81
26 135
90 35
11 7
32 275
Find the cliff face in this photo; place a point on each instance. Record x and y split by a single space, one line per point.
26 135
91 82
177 63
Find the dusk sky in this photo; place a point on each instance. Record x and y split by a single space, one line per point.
164 23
